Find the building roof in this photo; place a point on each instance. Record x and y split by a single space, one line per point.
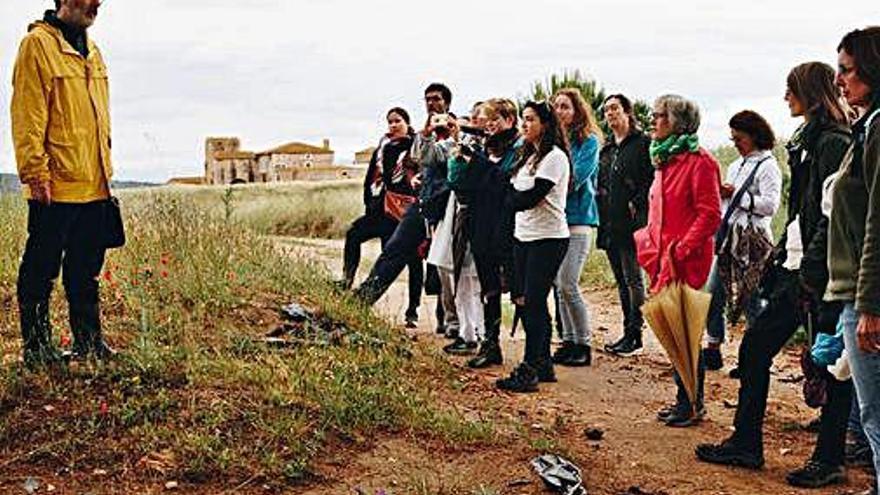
233 155
366 151
195 181
297 149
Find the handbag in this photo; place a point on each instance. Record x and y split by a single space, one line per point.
396 204
113 226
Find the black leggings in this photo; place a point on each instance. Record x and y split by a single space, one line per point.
537 263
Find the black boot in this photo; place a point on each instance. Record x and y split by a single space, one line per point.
523 379
489 355
85 322
562 352
36 334
578 355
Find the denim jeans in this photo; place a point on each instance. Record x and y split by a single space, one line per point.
865 368
572 309
716 324
630 286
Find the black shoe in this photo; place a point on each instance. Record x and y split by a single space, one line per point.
578 355
460 347
489 355
523 379
562 352
440 330
546 374
411 319
611 348
712 359
734 373
451 333
85 323
632 346
683 417
816 475
665 412
729 454
859 455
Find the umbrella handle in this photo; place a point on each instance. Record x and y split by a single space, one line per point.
673 271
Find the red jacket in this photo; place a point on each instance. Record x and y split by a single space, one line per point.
683 214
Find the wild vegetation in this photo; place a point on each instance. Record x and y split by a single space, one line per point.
195 395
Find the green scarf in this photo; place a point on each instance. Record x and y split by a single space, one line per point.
662 151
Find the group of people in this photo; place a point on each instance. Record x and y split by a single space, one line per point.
507 200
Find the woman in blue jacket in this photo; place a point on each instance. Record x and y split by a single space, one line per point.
582 212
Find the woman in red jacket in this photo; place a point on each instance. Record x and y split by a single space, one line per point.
683 214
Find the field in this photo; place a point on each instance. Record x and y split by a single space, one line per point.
197 402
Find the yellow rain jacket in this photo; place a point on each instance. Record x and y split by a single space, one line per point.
61 117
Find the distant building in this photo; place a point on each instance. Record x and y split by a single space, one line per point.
226 163
362 158
186 181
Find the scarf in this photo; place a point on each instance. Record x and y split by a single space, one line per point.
75 36
662 151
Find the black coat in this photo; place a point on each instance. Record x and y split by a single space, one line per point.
812 159
625 177
390 151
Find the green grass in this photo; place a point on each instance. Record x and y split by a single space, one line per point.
185 300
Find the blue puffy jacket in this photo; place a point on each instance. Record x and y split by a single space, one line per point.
581 207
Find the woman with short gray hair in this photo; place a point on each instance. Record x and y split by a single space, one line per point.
684 211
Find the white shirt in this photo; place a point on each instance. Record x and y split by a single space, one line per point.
763 196
546 220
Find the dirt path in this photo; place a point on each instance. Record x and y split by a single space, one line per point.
637 455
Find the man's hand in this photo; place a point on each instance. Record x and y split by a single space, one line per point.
868 333
41 192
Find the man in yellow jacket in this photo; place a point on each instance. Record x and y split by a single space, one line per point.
61 131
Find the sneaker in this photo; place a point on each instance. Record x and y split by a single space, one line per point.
411 319
712 358
858 455
579 355
683 417
562 352
460 346
816 474
523 379
665 412
630 347
728 453
489 355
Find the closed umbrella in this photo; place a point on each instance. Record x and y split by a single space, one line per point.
677 315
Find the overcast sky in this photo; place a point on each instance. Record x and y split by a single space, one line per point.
273 71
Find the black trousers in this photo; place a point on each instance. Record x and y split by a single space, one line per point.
379 226
400 250
773 327
62 235
537 263
630 286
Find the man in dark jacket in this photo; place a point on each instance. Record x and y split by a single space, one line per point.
431 152
625 176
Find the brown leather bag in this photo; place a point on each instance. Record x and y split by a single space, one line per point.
396 204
